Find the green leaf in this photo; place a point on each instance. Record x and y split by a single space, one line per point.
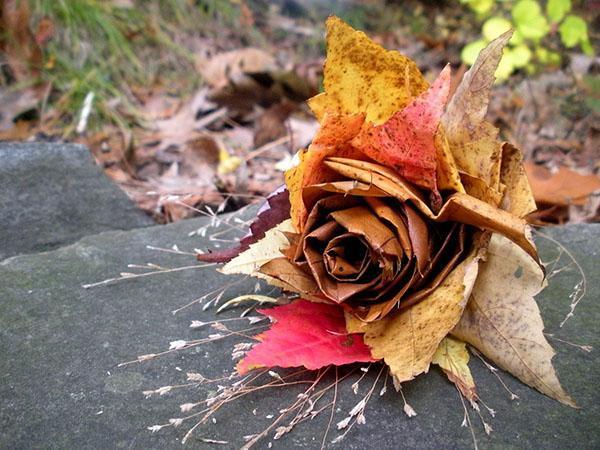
587 48
479 6
521 55
573 31
469 53
547 57
528 18
506 66
556 9
494 27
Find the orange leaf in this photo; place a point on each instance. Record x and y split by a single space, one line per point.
564 187
332 139
406 142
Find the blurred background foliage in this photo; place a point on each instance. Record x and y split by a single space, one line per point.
538 32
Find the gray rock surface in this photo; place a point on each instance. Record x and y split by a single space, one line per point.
54 194
61 343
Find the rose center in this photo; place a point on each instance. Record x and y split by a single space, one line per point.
347 257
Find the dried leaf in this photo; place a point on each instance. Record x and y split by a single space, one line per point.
518 196
473 141
290 277
362 77
305 334
261 252
332 139
452 356
407 341
503 321
406 142
219 70
564 187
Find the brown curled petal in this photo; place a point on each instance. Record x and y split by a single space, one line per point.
414 298
387 213
346 259
379 310
383 178
419 236
294 277
312 194
359 220
445 248
331 288
320 211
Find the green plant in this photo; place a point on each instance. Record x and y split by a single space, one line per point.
528 48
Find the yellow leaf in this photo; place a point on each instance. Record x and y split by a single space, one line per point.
407 341
452 356
503 321
362 77
227 162
448 177
473 141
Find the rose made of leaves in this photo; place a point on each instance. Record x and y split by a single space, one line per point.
405 221
368 251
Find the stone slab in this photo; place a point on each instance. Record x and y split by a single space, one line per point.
60 345
54 194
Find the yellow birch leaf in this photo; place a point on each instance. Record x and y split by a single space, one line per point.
473 141
407 341
503 321
362 77
452 356
518 196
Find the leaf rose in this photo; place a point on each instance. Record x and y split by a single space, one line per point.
403 221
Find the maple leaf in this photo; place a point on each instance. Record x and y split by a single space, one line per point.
502 319
406 142
305 334
362 77
452 356
473 141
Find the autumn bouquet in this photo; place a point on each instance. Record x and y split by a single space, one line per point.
401 230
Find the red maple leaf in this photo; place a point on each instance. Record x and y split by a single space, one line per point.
305 334
406 142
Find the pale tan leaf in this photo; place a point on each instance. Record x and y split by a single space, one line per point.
518 196
503 321
223 67
407 341
473 141
452 356
261 252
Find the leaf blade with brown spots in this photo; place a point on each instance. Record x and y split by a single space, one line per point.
503 321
